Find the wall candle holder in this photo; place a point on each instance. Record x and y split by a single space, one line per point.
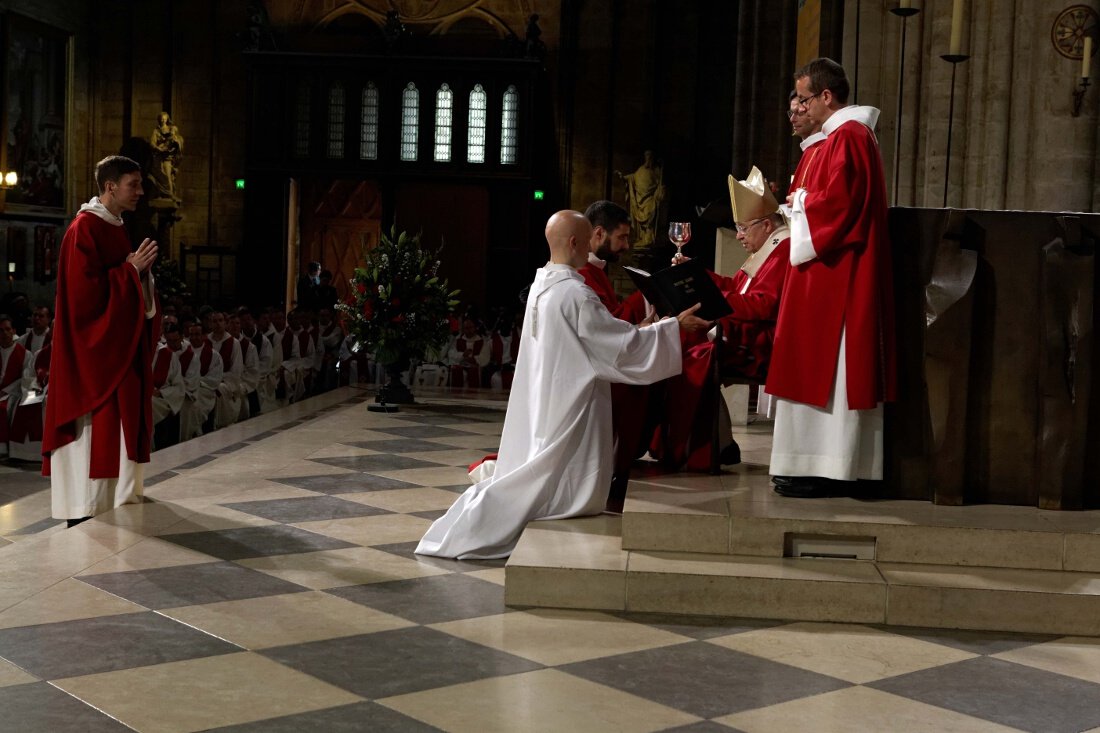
903 11
954 59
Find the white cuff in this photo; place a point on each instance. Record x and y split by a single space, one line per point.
802 244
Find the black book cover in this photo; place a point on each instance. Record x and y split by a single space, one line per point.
675 289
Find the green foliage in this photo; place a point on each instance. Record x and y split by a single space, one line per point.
398 305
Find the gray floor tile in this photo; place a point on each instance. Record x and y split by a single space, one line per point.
261 436
375 463
230 448
456 488
700 627
104 644
42 708
358 718
429 600
396 662
1006 693
157 478
422 431
305 509
398 445
245 542
196 462
432 514
705 726
188 585
406 549
439 419
704 679
975 642
345 483
40 526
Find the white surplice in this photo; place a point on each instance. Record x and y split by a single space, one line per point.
555 450
170 400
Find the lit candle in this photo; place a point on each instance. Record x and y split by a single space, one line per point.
956 28
1086 57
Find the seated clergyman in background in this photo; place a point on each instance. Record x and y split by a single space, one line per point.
555 450
753 293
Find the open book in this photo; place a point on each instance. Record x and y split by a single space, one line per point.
675 289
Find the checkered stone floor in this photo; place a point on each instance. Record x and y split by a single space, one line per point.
273 587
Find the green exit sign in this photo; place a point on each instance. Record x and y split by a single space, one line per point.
539 195
239 184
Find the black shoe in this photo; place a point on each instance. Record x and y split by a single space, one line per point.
616 497
73 522
802 487
730 455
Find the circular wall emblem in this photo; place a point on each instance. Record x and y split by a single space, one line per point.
1070 28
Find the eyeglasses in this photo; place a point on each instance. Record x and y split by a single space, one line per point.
804 103
743 228
792 113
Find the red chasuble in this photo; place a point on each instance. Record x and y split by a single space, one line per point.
102 348
848 286
631 310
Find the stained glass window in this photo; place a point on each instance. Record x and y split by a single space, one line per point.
444 106
335 146
410 121
475 130
301 121
368 124
509 123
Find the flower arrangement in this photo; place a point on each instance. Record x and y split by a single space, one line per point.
398 305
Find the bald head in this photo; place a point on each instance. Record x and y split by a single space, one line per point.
568 234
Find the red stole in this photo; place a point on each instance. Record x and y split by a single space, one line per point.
161 363
304 338
496 351
287 343
460 344
14 370
42 364
226 352
245 346
205 357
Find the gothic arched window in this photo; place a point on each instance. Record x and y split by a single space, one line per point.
368 123
410 121
475 130
444 106
301 121
335 146
509 126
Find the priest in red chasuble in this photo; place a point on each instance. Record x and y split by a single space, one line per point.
99 416
754 294
833 362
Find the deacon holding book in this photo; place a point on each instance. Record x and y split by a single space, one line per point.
833 361
555 451
753 293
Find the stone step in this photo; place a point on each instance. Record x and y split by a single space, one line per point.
580 564
741 516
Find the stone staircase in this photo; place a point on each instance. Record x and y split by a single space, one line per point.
728 546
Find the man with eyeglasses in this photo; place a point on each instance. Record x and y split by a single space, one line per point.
833 361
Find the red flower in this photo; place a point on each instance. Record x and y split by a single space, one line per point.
399 318
368 309
361 288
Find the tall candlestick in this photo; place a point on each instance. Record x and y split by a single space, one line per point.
905 3
956 28
1086 57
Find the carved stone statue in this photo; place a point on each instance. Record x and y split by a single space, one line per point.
167 152
645 191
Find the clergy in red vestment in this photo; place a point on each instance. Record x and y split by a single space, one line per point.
38 335
13 358
754 293
99 417
467 355
833 361
632 417
25 442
